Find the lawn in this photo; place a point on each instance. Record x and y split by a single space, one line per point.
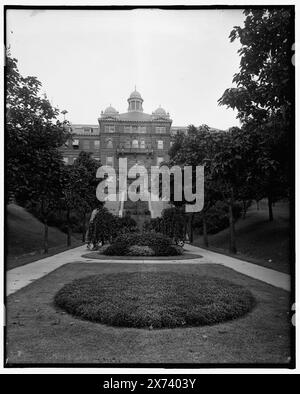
25 238
259 240
37 332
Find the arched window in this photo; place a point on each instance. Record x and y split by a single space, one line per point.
160 144
143 144
109 144
135 143
127 144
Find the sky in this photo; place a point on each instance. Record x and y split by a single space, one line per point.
87 60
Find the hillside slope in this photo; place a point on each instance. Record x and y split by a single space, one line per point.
259 240
25 235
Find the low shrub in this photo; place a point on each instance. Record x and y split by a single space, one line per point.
172 223
159 243
103 248
116 249
154 299
137 250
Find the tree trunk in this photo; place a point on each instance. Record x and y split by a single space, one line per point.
232 241
205 237
270 208
190 228
244 209
83 227
68 228
46 246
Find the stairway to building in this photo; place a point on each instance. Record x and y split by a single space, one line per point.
137 210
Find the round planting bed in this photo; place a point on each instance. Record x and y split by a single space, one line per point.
184 256
154 299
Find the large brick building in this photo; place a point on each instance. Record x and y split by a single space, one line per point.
140 137
135 134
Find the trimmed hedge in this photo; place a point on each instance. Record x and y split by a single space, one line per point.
137 250
159 243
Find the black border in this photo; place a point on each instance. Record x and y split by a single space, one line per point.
292 364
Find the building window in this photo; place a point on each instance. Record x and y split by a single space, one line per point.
143 144
109 161
160 130
134 129
142 129
66 160
171 143
75 144
135 143
127 129
109 144
109 129
87 130
160 160
97 144
86 144
127 144
160 144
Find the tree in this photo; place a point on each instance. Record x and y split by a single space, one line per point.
229 171
45 197
87 199
226 157
264 93
33 136
266 70
104 227
32 131
196 148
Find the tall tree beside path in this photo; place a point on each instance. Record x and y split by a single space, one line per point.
87 199
32 130
264 93
33 136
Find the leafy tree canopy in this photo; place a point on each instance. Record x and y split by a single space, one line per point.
264 79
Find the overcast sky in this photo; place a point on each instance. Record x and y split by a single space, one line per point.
87 60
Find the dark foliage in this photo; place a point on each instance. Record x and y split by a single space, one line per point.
160 243
216 217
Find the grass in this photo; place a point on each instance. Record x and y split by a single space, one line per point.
25 238
154 299
258 240
37 332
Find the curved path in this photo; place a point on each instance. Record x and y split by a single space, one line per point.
19 277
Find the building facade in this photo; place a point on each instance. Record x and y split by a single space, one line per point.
141 138
135 134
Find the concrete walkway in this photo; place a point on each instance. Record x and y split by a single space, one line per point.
267 275
20 277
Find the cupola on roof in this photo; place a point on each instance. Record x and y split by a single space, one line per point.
160 111
135 102
135 95
110 110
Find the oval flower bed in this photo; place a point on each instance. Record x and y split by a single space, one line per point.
154 299
142 244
